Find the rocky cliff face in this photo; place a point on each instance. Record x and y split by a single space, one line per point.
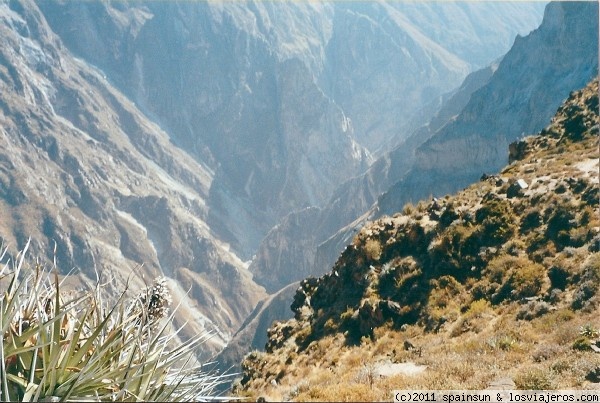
233 84
282 100
95 183
532 80
331 227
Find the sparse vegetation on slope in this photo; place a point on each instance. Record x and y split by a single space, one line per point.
501 280
74 346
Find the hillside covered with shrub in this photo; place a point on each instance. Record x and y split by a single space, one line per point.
499 283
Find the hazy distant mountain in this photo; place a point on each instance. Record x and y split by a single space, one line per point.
319 234
283 100
388 60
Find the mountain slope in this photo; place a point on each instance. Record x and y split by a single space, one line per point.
233 84
315 248
507 270
200 127
566 42
99 187
531 81
400 57
278 98
252 334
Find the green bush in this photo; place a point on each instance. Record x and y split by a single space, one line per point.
448 215
559 224
73 347
454 252
531 220
396 281
559 276
527 281
519 277
497 222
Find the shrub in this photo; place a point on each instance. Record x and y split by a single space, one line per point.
497 222
579 236
408 209
397 282
373 249
520 277
443 291
559 225
448 215
534 379
589 331
582 343
346 315
515 247
478 308
532 219
546 352
527 281
504 342
330 325
533 309
558 277
304 335
589 282
582 297
454 251
72 347
587 215
483 289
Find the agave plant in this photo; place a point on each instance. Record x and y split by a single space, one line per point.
589 331
59 346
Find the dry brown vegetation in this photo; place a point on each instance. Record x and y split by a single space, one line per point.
497 282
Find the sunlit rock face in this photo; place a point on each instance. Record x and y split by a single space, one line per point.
358 65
